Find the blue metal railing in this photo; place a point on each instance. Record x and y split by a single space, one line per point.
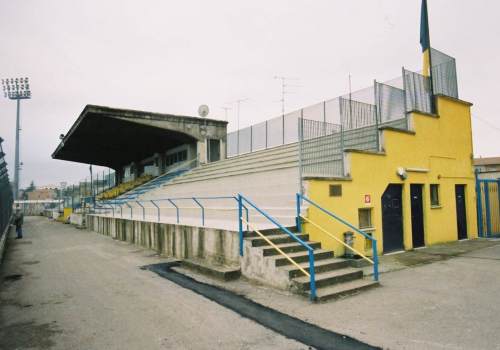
301 197
241 202
105 205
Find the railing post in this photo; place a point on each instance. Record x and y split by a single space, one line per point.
301 145
375 260
312 275
143 210
405 103
202 211
240 223
297 217
157 207
377 111
176 208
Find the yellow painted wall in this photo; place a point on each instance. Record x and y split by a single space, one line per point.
441 144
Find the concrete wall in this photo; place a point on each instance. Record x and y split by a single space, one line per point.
3 240
214 246
438 152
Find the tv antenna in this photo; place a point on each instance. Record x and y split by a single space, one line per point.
284 85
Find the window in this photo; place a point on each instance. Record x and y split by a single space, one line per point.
365 217
435 195
335 190
176 157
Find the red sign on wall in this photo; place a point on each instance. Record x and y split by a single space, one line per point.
368 199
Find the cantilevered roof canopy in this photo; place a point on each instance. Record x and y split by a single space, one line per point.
114 137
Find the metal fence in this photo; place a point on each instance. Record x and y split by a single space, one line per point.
320 148
6 196
417 92
383 104
444 74
390 102
76 196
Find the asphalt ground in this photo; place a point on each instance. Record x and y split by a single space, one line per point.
64 288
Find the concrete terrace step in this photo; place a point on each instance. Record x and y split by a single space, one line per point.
343 289
302 256
239 171
328 278
252 157
319 266
269 232
276 239
289 248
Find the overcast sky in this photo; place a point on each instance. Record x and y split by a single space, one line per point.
172 56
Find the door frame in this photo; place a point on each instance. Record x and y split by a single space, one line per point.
422 200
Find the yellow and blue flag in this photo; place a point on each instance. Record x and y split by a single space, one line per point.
425 39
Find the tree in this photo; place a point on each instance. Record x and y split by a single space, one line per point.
31 187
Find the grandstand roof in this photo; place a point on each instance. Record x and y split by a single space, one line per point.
114 137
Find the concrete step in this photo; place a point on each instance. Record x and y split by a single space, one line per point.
255 168
269 232
225 273
249 159
289 248
319 266
276 239
343 289
303 256
328 278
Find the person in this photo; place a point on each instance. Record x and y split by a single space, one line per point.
18 221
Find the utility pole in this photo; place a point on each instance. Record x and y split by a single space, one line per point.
17 89
225 112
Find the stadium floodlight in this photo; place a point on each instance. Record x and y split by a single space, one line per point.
16 89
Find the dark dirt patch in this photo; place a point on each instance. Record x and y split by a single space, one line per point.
28 335
12 278
20 241
34 262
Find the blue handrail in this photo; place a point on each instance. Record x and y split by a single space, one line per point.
120 202
301 197
310 250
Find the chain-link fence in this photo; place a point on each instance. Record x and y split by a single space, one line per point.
418 92
82 194
6 196
320 148
444 74
383 104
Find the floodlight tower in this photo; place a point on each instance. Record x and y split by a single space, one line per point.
16 89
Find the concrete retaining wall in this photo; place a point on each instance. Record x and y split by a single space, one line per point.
215 246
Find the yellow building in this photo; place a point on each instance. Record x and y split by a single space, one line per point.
417 190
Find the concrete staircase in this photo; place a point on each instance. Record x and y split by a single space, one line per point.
335 277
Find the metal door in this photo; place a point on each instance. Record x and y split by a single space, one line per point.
461 211
392 218
417 216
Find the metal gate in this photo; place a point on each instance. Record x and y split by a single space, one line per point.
488 207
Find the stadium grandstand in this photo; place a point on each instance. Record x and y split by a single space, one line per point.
297 201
